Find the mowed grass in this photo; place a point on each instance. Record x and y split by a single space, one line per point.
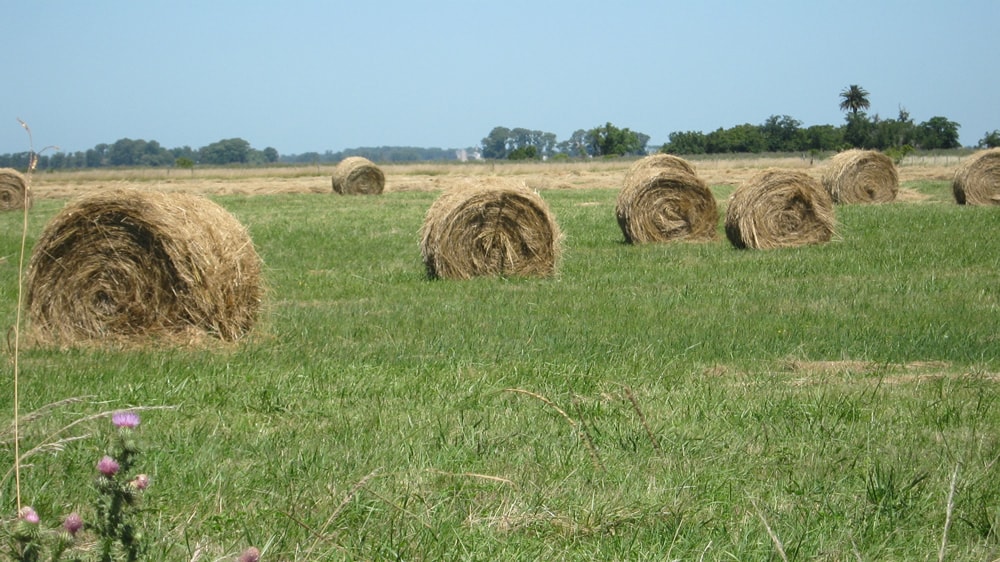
680 401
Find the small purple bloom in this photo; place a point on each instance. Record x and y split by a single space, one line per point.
250 555
140 482
29 515
73 523
128 420
107 466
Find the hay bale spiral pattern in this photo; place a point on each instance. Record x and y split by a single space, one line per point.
127 264
779 209
663 200
356 175
14 193
861 176
977 179
490 227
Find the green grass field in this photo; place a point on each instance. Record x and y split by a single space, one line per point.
661 402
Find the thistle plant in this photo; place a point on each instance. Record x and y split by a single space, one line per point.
115 534
118 493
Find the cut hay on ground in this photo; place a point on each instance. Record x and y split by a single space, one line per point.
356 175
977 179
14 192
663 200
861 176
778 209
489 226
125 264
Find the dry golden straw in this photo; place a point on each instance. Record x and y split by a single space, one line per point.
662 200
14 192
489 226
128 265
977 179
779 209
861 176
356 175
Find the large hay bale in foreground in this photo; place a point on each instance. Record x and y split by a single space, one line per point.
778 209
490 226
126 264
663 200
861 176
14 193
977 179
356 175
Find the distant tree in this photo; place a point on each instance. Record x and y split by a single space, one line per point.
938 132
575 145
685 142
854 98
185 163
612 141
859 131
495 144
227 151
270 155
524 153
822 138
782 133
990 140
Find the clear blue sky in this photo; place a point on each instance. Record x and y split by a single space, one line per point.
303 76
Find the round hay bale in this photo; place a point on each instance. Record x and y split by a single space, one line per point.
356 175
126 264
14 193
977 179
490 227
861 176
779 209
658 161
661 204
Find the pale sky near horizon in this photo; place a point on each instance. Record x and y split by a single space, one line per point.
311 76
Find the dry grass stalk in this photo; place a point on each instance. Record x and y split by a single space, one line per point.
977 179
14 192
662 200
490 226
861 176
779 209
356 175
127 265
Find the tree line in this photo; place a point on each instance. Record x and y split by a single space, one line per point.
778 133
142 153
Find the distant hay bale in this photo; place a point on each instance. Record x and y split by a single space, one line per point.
125 264
861 176
658 161
490 226
778 209
356 175
663 200
977 179
14 193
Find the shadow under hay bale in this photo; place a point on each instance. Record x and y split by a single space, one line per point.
14 193
779 209
861 176
489 227
977 179
663 200
356 175
129 265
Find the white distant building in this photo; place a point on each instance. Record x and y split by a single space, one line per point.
463 155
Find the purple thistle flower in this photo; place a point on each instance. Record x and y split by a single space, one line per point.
250 555
28 515
128 420
107 466
73 523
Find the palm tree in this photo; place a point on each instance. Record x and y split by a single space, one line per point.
855 98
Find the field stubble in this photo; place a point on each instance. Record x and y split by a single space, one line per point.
591 174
